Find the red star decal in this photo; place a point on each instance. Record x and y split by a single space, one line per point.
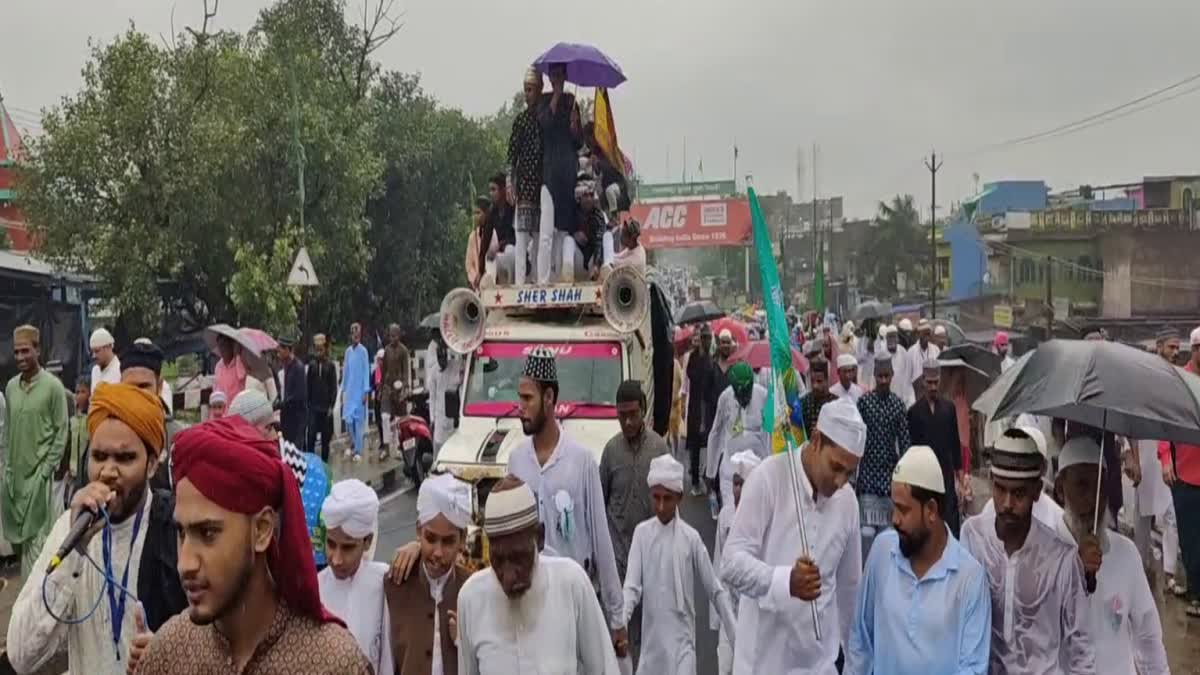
498 298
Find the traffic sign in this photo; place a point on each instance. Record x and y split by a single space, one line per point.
303 273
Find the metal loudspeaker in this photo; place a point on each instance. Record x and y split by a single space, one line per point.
626 299
463 316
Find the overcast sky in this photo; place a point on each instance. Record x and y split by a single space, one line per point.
875 85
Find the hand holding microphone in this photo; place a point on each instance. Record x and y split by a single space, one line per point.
85 519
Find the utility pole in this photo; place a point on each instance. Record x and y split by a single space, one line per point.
933 165
816 256
1049 298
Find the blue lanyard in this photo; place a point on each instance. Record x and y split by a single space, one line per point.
117 608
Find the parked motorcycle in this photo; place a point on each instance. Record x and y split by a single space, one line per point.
415 440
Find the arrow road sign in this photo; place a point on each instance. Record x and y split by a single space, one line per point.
303 273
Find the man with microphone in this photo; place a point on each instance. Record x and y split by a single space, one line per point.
135 545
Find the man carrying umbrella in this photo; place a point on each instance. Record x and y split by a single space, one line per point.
1121 617
1181 472
1039 603
558 118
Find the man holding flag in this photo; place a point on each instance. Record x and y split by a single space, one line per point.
800 593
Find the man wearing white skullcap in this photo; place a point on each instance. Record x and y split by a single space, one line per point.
939 336
527 610
847 372
352 585
565 480
666 558
765 563
905 330
1045 510
422 607
742 464
924 604
923 350
107 367
1039 603
1114 566
904 371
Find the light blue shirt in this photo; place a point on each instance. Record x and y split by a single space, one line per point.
356 381
940 624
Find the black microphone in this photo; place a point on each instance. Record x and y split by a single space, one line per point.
83 523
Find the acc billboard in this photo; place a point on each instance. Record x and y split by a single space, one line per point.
693 224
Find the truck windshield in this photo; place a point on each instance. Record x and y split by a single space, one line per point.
588 376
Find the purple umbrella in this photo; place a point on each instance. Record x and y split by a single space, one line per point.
586 65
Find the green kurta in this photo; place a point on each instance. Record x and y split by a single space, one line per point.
36 432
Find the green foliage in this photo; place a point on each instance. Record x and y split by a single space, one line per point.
5 242
895 248
173 175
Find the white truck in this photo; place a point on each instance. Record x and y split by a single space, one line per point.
601 335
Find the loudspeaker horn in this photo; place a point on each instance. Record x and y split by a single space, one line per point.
626 299
463 317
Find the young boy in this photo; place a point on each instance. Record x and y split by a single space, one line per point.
743 463
77 440
664 560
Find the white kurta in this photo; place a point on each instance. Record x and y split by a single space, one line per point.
902 376
555 628
775 630
1153 495
854 393
1122 618
724 635
438 382
35 637
919 356
664 562
734 429
359 601
109 375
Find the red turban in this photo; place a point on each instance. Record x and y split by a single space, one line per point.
231 464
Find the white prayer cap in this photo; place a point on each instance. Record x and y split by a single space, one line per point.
251 405
905 324
923 325
725 334
446 495
846 361
841 423
882 332
919 467
892 330
1038 438
217 396
939 330
101 338
353 507
666 471
1195 337
1079 450
1016 456
510 511
744 462
145 341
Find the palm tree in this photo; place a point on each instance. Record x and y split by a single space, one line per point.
894 247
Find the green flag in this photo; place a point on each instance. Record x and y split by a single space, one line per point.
777 329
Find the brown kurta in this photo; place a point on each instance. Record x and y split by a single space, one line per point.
410 609
294 644
396 366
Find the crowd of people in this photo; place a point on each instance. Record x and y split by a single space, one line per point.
559 211
227 567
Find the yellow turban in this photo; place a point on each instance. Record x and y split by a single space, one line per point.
137 408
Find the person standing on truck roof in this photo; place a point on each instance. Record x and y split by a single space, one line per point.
525 174
566 482
558 117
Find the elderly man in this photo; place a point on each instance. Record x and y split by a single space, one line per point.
423 606
356 390
352 585
396 379
137 541
764 562
736 427
107 367
1121 616
887 439
847 372
924 604
566 480
1039 605
528 613
35 427
665 562
246 562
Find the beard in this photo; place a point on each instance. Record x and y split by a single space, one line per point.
911 543
534 425
236 598
1081 525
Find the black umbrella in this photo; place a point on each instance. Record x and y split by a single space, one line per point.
974 380
872 309
1105 385
698 312
955 335
977 357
